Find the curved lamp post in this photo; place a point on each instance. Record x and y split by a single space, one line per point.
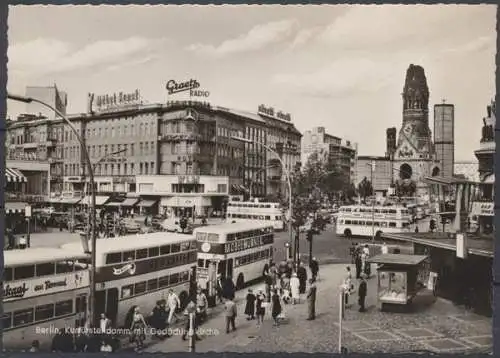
287 173
92 307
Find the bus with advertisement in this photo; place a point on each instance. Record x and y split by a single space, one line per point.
234 250
255 211
139 270
44 289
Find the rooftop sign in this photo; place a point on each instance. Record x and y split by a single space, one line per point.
193 86
270 112
114 101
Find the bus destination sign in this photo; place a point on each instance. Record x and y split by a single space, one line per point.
235 246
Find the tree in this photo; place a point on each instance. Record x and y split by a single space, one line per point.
365 188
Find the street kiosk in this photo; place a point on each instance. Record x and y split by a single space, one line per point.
400 278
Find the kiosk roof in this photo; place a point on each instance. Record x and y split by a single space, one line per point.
397 259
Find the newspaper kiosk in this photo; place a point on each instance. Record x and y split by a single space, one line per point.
400 278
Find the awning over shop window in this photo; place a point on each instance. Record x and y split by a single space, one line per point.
239 189
99 200
13 175
114 204
72 201
130 202
15 208
147 203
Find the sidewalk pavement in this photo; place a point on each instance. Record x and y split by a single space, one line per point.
437 326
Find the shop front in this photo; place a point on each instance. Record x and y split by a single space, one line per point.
191 206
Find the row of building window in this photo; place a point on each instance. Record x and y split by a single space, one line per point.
155 284
254 217
390 224
115 169
98 151
253 257
41 270
132 130
41 313
118 257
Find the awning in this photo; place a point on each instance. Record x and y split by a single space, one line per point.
113 204
147 203
13 208
14 175
72 201
490 179
129 202
99 200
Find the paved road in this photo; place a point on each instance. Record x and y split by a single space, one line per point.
439 327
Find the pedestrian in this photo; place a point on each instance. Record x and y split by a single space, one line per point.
228 289
273 272
384 249
201 304
302 275
285 282
218 287
35 346
276 307
268 282
104 324
191 311
348 279
295 288
362 291
81 341
260 309
352 252
105 347
230 310
250 305
359 263
138 328
416 229
173 303
314 267
311 301
159 319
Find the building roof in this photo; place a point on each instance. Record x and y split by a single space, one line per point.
477 245
132 242
37 255
447 180
370 157
243 114
398 259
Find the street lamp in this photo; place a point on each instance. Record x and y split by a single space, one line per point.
372 170
287 173
92 193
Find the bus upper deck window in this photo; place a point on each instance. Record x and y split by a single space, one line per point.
128 256
153 251
22 272
45 269
141 254
7 274
164 250
176 248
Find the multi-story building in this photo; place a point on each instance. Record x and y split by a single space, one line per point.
380 175
126 140
444 137
340 152
50 95
33 139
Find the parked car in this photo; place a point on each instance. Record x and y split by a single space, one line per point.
131 226
173 225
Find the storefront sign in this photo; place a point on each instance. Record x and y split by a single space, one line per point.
74 179
483 209
42 286
270 112
174 87
130 268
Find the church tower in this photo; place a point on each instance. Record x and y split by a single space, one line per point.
414 158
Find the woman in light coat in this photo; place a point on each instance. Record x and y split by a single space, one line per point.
294 288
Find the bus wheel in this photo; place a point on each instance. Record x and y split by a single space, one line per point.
378 235
183 297
240 282
347 233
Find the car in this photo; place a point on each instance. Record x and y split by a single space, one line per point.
131 226
173 225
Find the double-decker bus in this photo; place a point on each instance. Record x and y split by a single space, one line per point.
361 220
44 289
138 270
250 211
238 250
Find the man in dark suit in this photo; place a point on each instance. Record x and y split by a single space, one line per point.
362 291
311 301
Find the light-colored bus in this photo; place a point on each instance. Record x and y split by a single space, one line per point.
359 220
138 270
250 211
44 289
238 250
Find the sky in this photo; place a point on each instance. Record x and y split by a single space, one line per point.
340 67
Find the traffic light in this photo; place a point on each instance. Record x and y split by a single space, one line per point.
309 236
